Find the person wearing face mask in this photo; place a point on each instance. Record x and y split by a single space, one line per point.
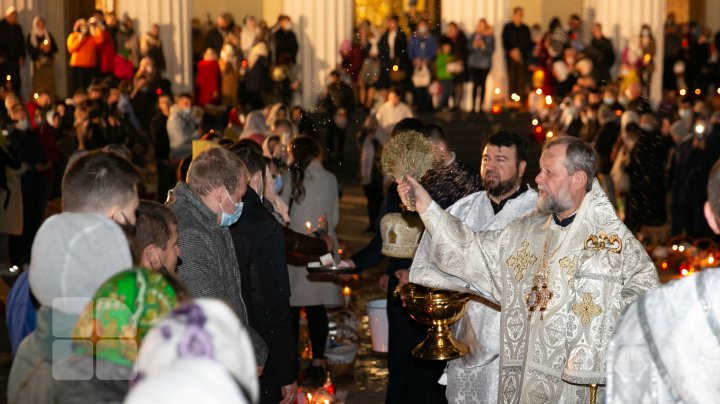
205 207
83 55
35 182
181 127
422 50
260 249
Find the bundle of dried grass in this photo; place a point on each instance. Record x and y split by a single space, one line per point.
407 153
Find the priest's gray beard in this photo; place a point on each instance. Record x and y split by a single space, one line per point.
548 203
495 187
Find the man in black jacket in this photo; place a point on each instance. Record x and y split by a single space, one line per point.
286 44
260 249
517 44
158 131
392 52
12 48
602 54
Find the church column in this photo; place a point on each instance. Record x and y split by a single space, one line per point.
466 14
320 26
621 21
173 17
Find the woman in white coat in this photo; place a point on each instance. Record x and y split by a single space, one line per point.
311 193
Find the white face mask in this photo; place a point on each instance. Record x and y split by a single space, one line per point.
23 124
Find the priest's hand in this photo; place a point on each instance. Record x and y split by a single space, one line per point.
409 186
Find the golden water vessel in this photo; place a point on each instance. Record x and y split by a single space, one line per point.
438 309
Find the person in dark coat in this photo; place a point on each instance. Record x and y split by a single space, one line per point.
518 45
338 102
158 131
602 54
35 183
392 51
215 38
410 380
646 199
12 48
606 137
260 250
459 43
286 44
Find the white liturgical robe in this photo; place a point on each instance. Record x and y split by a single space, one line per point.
666 346
595 268
473 379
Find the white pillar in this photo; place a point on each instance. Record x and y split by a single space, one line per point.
466 14
320 26
621 21
27 10
173 17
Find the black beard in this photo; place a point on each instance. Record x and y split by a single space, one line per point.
501 187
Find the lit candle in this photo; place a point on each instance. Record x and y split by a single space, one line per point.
538 91
497 91
308 226
346 291
46 42
550 134
548 100
8 78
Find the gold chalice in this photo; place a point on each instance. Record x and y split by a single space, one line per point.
438 309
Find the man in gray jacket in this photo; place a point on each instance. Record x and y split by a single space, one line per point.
205 207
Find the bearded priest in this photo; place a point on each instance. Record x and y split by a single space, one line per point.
562 276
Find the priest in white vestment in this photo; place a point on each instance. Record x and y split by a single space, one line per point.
473 379
666 346
562 276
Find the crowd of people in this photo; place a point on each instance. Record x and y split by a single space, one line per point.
162 238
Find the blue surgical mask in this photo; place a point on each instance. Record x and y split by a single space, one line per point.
278 183
609 100
229 219
684 113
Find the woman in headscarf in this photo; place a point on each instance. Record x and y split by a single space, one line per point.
257 78
229 75
202 334
42 48
255 127
107 336
277 112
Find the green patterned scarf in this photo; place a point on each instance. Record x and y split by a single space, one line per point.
123 309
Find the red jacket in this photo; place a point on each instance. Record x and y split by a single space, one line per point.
105 51
207 82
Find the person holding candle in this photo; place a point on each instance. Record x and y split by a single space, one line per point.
311 192
42 48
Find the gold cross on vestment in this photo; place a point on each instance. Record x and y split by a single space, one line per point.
538 300
587 310
521 261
